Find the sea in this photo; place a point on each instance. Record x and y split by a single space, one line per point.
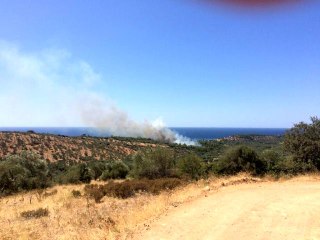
192 133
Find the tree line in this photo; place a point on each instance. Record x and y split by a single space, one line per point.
300 153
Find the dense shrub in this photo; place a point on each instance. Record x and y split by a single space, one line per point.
129 188
41 212
303 142
58 167
154 163
158 185
271 159
23 171
96 168
85 176
76 193
64 172
115 170
191 165
94 191
128 161
289 166
123 190
75 174
143 167
240 159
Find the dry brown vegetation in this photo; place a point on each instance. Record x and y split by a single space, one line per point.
129 188
77 217
56 147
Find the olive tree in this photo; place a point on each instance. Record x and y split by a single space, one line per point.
303 142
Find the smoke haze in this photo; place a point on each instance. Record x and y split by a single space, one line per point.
51 88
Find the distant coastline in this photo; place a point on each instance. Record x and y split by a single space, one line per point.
190 132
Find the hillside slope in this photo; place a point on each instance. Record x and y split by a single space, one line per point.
57 147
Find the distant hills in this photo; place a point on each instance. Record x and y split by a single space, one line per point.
58 147
87 148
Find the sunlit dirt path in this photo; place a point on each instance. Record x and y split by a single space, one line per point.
268 210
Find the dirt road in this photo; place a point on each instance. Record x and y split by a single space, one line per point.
270 210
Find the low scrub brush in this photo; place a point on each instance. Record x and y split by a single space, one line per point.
129 188
41 212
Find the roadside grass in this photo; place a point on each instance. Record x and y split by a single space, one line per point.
80 217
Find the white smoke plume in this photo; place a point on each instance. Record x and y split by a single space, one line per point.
51 88
107 117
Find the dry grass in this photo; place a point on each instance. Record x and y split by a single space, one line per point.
81 218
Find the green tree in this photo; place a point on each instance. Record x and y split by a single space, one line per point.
191 165
78 173
153 163
303 142
115 170
23 171
84 173
97 168
271 158
240 159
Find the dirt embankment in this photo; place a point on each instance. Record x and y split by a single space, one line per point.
266 210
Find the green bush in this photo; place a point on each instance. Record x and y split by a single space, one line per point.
24 171
303 142
115 170
289 166
85 176
75 174
97 168
191 165
271 158
64 173
240 159
57 168
154 163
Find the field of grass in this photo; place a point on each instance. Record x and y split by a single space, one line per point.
71 217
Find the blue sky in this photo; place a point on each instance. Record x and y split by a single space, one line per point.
185 61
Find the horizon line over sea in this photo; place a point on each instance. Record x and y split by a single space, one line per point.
194 133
